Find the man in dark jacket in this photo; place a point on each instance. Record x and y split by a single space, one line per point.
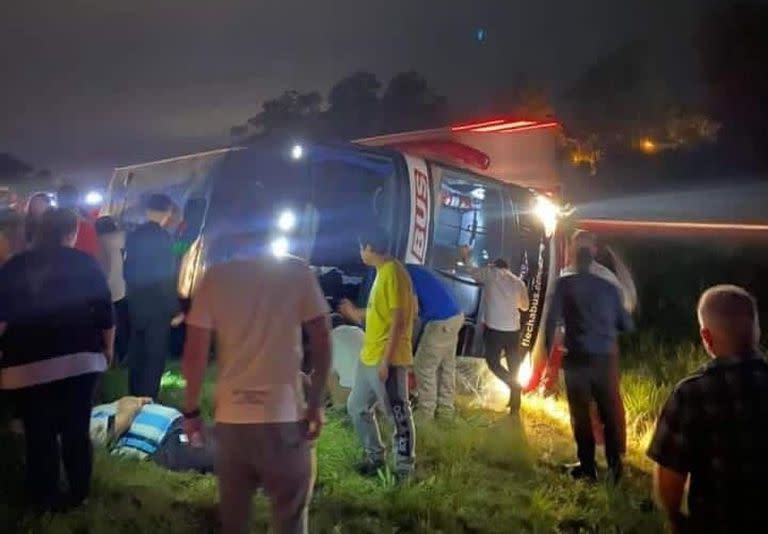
592 311
150 277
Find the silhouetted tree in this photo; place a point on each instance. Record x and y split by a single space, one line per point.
353 104
410 103
291 114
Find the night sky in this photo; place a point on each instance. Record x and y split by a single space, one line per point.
90 84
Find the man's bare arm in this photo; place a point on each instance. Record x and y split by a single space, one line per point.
318 333
524 301
669 487
108 340
194 363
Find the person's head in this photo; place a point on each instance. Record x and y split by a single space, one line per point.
374 246
58 227
583 249
729 322
159 208
500 263
38 204
105 225
68 197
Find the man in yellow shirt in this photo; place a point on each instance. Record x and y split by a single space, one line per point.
382 376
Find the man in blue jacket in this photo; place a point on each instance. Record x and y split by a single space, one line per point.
435 360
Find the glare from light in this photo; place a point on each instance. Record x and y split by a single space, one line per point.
54 203
648 146
525 371
547 212
286 221
280 247
94 198
297 152
478 193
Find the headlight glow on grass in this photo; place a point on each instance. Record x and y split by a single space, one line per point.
525 371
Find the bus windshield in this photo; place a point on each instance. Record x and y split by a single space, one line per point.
351 190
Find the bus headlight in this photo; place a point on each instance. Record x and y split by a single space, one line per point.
280 247
286 221
94 198
547 212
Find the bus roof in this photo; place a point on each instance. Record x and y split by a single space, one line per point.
179 158
512 150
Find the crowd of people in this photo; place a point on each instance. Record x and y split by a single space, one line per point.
75 290
65 284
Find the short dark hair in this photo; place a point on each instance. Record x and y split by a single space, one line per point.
376 237
105 225
55 225
584 259
159 202
500 263
68 196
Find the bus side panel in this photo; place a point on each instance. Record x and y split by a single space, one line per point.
420 212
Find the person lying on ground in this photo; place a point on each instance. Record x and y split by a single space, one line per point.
135 427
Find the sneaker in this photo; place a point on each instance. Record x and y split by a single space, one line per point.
579 472
369 467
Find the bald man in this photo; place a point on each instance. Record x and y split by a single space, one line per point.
713 429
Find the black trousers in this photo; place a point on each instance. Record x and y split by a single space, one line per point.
498 343
588 377
122 329
150 343
56 418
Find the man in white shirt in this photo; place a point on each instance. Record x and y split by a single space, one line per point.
265 426
505 295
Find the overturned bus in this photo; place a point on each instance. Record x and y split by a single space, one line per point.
490 185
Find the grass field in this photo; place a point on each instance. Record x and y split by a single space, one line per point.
481 472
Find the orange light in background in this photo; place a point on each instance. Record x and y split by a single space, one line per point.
648 146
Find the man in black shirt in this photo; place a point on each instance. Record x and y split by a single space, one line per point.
714 427
150 277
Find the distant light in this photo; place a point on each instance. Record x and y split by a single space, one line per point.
286 221
481 34
478 193
297 152
94 198
54 203
648 146
280 247
547 212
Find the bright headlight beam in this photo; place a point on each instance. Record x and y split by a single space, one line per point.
93 198
547 212
286 221
280 247
525 371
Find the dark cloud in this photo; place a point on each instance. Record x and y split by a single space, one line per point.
90 84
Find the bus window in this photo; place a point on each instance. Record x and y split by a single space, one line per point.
469 213
350 193
522 232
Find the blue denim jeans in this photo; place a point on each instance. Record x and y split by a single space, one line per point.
391 396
